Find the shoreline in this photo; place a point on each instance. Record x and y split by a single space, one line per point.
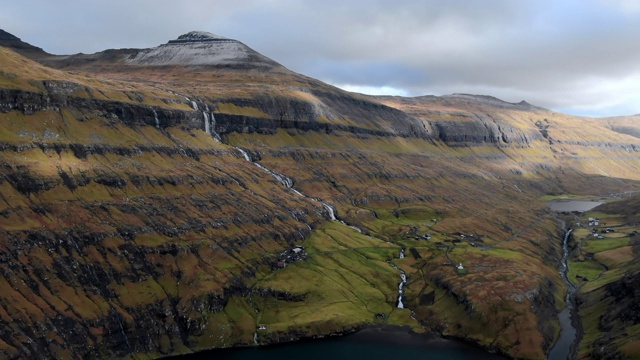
399 335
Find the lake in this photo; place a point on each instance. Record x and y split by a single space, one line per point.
371 344
573 205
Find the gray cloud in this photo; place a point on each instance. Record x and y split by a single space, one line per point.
579 56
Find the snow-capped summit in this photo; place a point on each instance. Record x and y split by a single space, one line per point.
199 36
201 48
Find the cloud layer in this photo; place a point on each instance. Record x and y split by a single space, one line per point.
576 56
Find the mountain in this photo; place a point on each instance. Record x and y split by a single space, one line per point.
202 48
10 41
198 195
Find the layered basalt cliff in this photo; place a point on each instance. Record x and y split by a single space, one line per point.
151 217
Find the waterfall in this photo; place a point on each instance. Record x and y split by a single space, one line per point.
332 214
353 227
288 183
206 123
214 133
403 281
403 278
193 104
284 180
155 116
244 154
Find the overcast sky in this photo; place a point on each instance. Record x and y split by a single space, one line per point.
576 56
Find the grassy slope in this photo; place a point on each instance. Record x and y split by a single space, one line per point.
598 266
393 188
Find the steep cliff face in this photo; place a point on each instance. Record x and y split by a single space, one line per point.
462 119
326 112
120 249
129 229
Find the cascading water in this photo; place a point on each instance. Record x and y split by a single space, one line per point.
403 278
207 127
215 135
244 154
288 183
208 118
403 281
155 116
332 214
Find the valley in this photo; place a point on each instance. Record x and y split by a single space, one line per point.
153 206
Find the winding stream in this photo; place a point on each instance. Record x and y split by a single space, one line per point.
562 348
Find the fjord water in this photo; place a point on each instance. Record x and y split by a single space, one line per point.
370 344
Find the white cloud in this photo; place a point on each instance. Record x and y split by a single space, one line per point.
373 90
570 54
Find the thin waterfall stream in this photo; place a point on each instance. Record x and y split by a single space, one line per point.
403 281
288 183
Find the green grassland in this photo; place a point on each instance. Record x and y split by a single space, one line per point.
167 241
597 266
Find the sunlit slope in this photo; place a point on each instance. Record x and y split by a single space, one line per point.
129 228
121 237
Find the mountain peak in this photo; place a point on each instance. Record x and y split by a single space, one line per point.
198 36
200 48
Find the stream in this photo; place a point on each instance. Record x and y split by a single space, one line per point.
209 125
567 341
288 183
562 348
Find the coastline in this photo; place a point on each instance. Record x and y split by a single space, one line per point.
371 335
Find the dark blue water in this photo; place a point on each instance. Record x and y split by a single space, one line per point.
369 344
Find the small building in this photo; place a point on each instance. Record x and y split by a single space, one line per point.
460 267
